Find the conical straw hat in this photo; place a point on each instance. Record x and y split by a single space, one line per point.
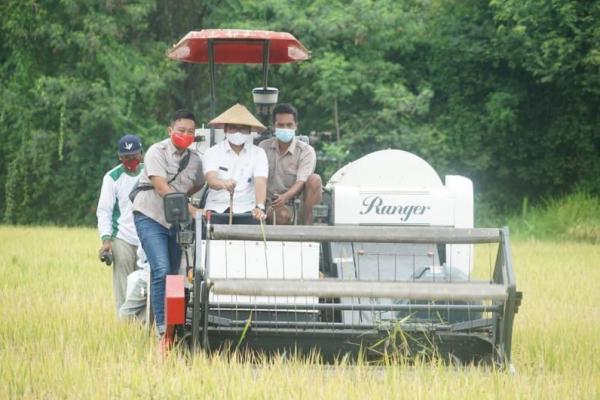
238 115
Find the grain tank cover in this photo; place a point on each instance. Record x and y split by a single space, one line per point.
395 187
387 168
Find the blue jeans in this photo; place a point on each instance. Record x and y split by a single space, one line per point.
164 256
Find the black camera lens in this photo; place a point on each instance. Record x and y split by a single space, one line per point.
106 257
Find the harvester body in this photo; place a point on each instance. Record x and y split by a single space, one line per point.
394 277
389 269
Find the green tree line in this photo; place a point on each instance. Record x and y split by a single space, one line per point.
506 92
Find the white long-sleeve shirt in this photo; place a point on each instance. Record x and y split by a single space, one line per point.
114 212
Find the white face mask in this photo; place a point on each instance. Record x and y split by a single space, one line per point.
237 138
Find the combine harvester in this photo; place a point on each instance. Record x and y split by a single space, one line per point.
388 269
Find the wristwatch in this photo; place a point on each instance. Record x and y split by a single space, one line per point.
260 206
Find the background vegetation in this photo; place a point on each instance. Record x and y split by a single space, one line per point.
506 92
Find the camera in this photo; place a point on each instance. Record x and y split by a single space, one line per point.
106 257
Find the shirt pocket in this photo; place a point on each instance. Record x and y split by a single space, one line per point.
223 172
289 176
244 177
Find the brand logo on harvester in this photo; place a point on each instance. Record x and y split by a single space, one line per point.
375 204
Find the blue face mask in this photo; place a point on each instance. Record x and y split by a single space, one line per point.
285 135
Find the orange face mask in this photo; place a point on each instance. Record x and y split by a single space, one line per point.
181 140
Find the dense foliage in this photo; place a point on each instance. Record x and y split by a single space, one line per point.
506 92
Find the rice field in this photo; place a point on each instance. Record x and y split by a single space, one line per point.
59 338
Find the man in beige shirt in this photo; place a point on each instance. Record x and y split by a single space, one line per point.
169 166
291 169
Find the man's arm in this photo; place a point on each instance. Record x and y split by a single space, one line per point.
211 175
104 212
160 185
292 192
191 208
155 165
213 181
194 189
260 173
260 189
162 188
260 193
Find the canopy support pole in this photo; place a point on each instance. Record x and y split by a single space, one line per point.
213 89
266 49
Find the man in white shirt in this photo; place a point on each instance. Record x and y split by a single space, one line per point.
115 218
236 170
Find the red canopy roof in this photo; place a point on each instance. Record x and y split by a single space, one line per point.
238 46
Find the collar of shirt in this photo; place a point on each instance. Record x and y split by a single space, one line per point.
172 149
291 148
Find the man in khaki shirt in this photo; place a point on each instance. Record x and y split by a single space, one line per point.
291 169
169 166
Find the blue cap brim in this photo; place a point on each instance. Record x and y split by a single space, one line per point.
129 153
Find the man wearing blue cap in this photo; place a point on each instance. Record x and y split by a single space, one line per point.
115 216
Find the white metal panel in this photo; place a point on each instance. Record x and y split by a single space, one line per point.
461 256
392 205
239 259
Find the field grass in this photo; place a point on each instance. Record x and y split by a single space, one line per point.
575 216
59 337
